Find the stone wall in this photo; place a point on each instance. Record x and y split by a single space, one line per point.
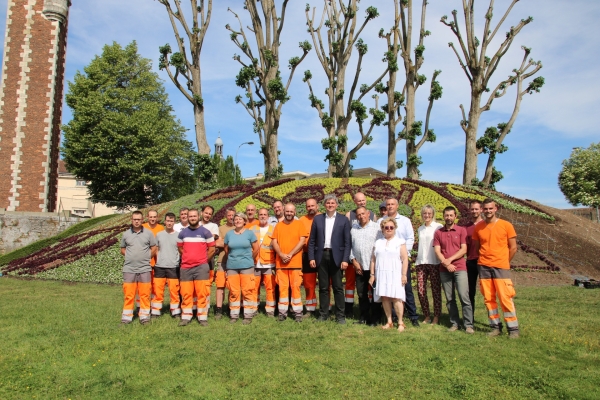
18 229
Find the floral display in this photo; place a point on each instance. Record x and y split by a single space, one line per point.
93 256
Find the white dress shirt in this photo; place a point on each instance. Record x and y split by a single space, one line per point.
426 253
329 229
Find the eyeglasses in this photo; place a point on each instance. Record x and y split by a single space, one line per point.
389 228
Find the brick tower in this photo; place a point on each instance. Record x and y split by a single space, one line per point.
31 103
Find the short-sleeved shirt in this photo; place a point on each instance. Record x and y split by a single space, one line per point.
178 227
137 250
195 244
363 241
168 253
288 236
450 241
223 229
307 224
212 227
157 228
493 243
240 249
249 225
472 252
426 253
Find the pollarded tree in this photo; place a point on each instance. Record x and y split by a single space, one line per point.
260 75
124 138
479 68
183 68
579 179
400 42
491 141
340 22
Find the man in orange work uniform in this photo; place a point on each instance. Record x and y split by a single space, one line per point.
138 245
496 240
289 237
251 214
309 275
265 260
153 226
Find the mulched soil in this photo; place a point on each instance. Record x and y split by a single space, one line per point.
572 242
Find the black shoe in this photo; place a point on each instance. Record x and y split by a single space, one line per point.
281 318
298 318
360 322
218 312
341 321
415 323
184 322
349 310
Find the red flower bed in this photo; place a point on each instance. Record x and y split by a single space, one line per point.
66 251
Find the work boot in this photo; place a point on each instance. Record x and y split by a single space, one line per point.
203 322
281 318
349 311
218 312
247 321
470 330
271 314
495 332
233 320
298 318
184 322
453 328
145 321
513 334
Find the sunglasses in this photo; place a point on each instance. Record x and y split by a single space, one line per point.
389 228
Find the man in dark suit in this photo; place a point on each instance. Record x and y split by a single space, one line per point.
329 248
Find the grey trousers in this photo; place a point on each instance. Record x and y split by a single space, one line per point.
460 281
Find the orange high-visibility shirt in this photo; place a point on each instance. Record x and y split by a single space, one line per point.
154 231
493 243
288 236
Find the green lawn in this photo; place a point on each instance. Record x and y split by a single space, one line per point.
65 341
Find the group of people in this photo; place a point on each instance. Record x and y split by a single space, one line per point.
283 253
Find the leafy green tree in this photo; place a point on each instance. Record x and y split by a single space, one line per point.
579 179
215 172
123 137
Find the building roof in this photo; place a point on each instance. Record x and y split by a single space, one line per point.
62 167
357 173
218 142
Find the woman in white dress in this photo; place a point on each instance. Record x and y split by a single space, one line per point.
389 265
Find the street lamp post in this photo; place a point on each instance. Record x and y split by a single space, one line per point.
235 162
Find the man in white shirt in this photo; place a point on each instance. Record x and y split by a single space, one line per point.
404 231
363 233
183 220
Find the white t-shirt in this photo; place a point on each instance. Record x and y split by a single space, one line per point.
212 228
426 253
178 227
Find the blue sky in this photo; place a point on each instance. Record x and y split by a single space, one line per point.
564 115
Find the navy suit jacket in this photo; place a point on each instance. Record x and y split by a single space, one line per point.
341 244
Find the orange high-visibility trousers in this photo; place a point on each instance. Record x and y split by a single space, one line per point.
496 282
193 280
163 276
265 276
241 284
136 283
350 284
309 280
289 279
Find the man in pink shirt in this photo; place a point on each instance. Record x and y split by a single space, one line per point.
450 244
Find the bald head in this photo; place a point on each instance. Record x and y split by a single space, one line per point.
290 212
360 199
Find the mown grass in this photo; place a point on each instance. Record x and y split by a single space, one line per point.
65 341
40 244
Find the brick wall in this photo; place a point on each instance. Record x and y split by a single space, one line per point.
31 103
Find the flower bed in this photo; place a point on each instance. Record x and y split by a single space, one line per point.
94 256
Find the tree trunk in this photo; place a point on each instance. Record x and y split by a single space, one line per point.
470 166
391 163
487 178
412 170
201 142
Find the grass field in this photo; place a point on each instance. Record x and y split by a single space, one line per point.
64 341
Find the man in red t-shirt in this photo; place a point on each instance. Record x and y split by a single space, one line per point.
472 252
496 241
450 244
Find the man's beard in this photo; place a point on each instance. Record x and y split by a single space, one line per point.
311 212
289 218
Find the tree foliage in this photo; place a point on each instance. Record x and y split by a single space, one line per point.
579 179
215 172
124 138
